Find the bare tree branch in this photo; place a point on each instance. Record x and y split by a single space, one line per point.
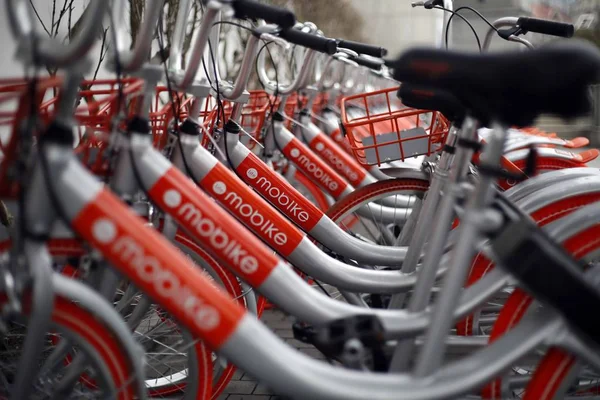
69 25
39 18
61 14
103 51
136 8
171 18
53 17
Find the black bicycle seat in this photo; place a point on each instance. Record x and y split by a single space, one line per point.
427 98
512 87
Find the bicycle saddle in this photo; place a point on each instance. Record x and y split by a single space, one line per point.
428 98
512 87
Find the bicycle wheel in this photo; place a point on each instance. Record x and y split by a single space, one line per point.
172 354
482 265
555 375
222 369
374 229
310 191
170 350
381 229
106 362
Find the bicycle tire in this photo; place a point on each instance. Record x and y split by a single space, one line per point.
363 194
482 265
72 248
68 315
556 363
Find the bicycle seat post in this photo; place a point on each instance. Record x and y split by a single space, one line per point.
476 218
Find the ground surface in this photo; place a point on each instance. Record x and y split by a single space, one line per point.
243 386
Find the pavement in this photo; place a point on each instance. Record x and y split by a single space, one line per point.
243 386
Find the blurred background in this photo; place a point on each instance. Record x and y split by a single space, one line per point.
393 24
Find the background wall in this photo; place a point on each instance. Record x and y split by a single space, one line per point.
396 25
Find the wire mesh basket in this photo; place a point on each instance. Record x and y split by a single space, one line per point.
292 105
103 104
98 103
16 97
251 120
380 129
253 116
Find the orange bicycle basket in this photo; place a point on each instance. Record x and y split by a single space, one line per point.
292 104
99 108
16 97
380 129
253 116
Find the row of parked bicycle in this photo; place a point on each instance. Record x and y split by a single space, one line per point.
427 239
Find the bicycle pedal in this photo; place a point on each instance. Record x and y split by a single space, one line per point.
331 339
303 332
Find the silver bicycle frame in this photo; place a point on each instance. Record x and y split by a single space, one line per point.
284 287
433 250
387 215
305 256
291 372
326 231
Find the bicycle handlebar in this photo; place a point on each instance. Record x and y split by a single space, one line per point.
527 24
368 62
313 42
50 50
310 40
254 10
212 10
499 23
362 48
429 4
264 32
546 27
133 60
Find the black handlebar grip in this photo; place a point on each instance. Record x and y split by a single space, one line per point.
312 41
362 48
365 62
255 10
546 27
429 4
